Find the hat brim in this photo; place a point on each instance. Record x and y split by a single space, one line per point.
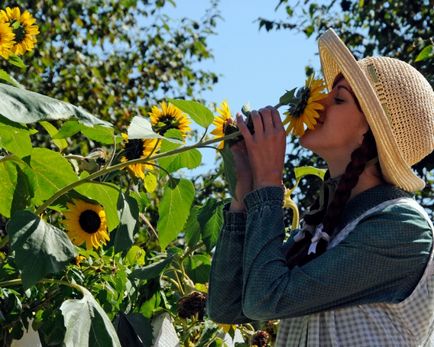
336 58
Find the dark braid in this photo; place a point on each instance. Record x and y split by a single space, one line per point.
297 254
354 169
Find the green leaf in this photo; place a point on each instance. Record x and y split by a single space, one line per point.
136 256
192 227
426 53
141 128
174 209
86 323
150 182
151 271
211 220
23 106
52 172
18 185
229 168
9 79
134 330
99 133
198 267
105 194
208 333
52 130
40 248
128 212
17 61
15 138
198 112
288 97
68 129
189 159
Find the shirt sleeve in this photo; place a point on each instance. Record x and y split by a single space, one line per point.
226 276
381 260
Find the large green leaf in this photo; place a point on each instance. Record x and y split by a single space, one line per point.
52 130
87 324
128 212
151 271
68 129
141 128
229 168
24 106
174 209
198 112
99 134
189 159
17 184
198 267
134 330
15 138
40 248
211 220
192 227
52 172
105 194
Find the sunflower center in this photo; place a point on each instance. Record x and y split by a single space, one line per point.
134 149
90 221
19 31
166 122
296 110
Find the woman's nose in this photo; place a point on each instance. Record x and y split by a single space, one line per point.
325 102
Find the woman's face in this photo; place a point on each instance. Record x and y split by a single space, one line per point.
340 128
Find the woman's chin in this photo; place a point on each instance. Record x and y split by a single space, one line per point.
310 140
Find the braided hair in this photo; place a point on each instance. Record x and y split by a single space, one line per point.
330 216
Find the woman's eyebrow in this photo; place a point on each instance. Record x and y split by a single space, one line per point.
346 88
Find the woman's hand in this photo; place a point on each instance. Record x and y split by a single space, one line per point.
266 147
244 176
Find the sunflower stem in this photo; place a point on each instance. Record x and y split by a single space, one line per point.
148 223
120 166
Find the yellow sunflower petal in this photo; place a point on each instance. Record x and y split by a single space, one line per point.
6 40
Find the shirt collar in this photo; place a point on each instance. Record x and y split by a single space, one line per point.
369 199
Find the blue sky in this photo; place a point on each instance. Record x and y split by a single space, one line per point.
256 66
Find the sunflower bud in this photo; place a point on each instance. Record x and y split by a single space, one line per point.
191 304
260 339
232 127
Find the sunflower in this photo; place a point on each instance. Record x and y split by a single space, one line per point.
222 121
86 222
138 148
305 106
24 28
6 39
167 117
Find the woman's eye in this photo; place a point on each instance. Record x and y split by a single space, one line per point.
339 100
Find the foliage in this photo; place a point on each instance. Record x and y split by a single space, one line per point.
116 58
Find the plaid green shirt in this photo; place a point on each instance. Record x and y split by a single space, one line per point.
381 260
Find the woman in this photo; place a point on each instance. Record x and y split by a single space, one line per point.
360 272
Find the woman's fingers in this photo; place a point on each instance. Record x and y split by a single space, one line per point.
257 122
277 121
267 120
243 129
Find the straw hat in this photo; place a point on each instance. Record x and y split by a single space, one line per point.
398 103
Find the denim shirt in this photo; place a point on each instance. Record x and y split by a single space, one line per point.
381 260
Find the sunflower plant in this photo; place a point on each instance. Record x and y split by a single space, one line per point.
104 242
